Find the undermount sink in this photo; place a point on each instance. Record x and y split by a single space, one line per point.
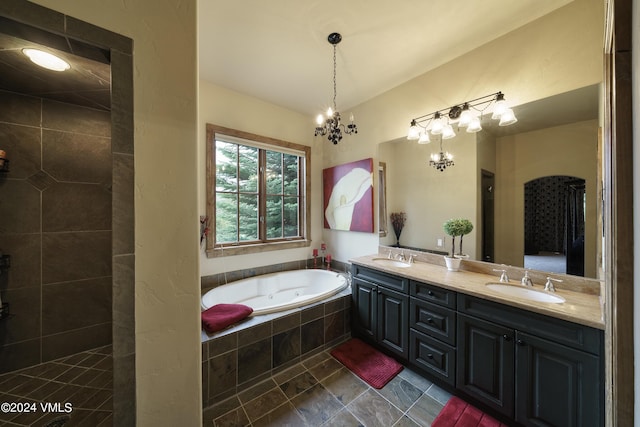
391 262
525 293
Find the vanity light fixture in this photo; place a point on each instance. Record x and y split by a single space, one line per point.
331 126
46 60
465 115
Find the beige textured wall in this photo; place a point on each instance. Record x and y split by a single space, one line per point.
221 106
167 281
430 197
531 155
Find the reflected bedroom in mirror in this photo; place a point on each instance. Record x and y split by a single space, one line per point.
532 190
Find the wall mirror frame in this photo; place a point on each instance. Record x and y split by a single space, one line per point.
618 205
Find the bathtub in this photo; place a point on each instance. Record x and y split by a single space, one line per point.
275 292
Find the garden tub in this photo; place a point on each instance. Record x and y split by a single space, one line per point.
270 293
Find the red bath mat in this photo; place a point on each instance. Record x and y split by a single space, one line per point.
458 413
366 362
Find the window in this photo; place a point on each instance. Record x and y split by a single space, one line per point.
256 192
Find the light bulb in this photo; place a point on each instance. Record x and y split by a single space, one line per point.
351 119
507 118
500 106
437 125
329 112
46 60
447 132
424 138
465 117
474 126
414 131
319 119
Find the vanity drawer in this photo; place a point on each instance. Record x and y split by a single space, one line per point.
434 320
432 356
397 283
433 294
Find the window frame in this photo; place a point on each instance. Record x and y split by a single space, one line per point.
214 249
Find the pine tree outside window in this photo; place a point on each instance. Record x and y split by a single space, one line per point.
256 192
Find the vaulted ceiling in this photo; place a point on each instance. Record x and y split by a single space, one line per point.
277 50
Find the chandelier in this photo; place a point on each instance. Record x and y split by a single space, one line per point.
332 126
441 160
465 115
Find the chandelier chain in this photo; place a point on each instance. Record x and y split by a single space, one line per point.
335 90
332 125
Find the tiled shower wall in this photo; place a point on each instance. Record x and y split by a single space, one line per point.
55 223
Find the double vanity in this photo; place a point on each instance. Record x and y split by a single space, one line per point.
525 354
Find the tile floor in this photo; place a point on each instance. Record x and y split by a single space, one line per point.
320 391
85 380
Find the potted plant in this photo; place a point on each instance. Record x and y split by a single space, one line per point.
397 221
466 227
453 228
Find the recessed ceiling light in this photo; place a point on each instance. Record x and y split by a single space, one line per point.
46 60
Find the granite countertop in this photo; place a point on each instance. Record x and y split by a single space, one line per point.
580 307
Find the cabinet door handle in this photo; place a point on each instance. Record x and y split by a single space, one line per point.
430 320
430 356
520 342
430 293
506 337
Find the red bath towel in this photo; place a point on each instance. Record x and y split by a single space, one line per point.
220 316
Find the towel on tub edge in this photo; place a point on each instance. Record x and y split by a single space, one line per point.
219 316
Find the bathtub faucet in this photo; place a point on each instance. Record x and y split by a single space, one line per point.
347 277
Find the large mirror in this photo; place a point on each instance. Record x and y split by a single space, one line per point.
532 189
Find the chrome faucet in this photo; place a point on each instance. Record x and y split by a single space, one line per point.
412 258
549 286
503 277
400 256
526 280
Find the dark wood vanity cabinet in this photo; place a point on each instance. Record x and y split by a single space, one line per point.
432 330
534 369
485 363
381 308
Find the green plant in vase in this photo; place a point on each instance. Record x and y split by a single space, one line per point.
466 227
453 228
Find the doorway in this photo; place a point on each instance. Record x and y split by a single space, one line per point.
488 185
554 229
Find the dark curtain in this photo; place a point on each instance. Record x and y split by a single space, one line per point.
545 215
575 196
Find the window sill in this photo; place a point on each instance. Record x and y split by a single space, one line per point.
253 249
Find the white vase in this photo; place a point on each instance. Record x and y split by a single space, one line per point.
453 264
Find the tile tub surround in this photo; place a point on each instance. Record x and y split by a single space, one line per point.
85 380
238 357
56 226
320 391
